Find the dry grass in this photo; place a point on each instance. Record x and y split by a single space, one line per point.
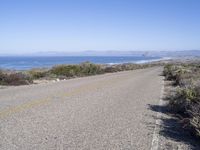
14 79
186 99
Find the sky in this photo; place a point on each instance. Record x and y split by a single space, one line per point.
29 26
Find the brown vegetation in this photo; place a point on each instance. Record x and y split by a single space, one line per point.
14 79
186 99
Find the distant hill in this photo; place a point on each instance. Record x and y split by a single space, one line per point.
183 53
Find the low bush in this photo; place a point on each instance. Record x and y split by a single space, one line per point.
186 99
65 70
14 79
126 67
2 77
110 69
37 74
83 69
88 68
194 112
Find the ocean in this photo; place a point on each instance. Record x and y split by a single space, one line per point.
28 62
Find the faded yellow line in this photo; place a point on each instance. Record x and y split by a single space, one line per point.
22 107
35 103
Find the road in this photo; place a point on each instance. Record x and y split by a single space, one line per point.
109 111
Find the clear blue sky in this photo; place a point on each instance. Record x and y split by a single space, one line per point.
76 25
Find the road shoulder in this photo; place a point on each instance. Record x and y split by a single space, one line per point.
169 132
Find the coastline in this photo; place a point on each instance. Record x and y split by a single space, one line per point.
65 72
30 62
68 71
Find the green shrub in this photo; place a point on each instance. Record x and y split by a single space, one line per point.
88 68
178 102
83 69
66 70
37 74
167 71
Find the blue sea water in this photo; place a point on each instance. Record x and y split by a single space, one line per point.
25 62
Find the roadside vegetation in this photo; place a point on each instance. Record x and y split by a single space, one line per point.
185 100
84 69
14 78
65 72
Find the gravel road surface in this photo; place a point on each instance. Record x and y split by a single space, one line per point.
101 112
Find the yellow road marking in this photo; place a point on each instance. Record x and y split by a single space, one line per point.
22 107
35 103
